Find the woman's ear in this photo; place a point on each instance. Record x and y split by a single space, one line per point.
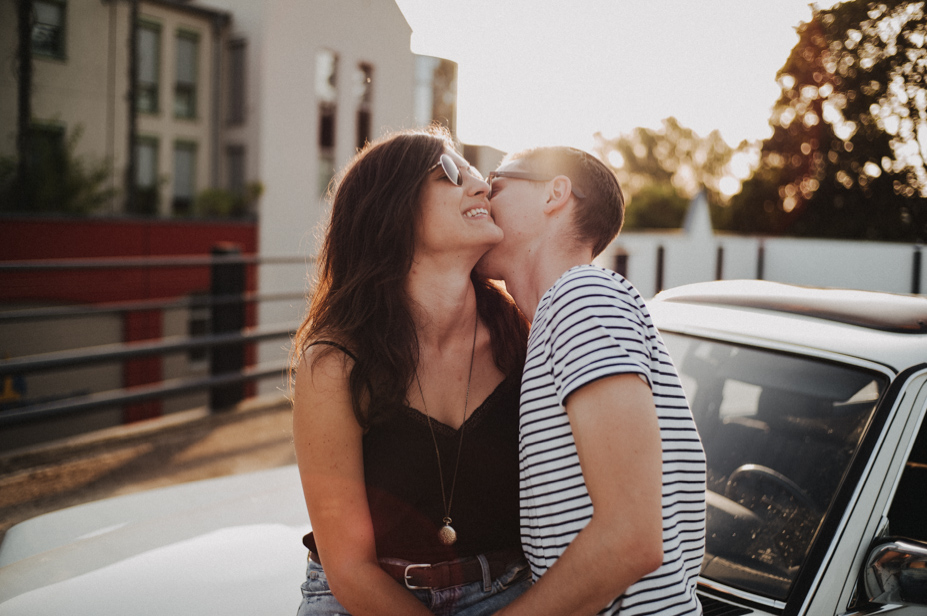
559 190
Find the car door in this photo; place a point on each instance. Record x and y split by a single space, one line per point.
892 479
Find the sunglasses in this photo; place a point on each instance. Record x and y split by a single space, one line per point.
452 169
531 177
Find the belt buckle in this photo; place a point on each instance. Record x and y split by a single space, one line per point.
405 576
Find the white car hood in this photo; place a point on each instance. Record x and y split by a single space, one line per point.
223 546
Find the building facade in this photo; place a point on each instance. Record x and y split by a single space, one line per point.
81 54
322 78
243 113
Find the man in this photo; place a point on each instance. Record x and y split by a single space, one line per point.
612 469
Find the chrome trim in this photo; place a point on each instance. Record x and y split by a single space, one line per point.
741 594
886 564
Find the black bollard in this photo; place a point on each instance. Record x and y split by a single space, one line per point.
227 279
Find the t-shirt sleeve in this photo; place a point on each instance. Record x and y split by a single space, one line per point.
597 330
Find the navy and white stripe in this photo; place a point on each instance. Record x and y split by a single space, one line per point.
592 324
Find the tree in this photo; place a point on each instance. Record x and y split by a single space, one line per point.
846 158
661 170
656 206
58 180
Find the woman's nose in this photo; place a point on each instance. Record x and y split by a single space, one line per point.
477 185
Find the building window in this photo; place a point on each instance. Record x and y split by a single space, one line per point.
236 100
326 91
435 92
149 66
46 154
146 175
363 94
184 178
48 28
46 163
235 167
185 87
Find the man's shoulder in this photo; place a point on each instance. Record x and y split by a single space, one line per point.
592 280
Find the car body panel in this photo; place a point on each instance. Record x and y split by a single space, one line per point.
226 546
900 356
837 577
770 329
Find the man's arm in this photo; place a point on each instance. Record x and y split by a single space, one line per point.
614 423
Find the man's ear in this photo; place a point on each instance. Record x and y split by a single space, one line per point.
558 194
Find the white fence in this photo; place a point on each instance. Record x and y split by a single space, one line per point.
660 260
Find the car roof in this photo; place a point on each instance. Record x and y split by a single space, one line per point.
884 328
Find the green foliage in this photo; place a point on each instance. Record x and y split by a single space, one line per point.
215 202
656 206
223 203
57 181
846 158
663 168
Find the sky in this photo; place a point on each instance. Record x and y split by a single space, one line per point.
542 72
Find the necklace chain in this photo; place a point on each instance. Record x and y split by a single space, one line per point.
444 500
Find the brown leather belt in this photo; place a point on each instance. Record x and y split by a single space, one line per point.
451 573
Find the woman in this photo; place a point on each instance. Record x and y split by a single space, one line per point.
408 369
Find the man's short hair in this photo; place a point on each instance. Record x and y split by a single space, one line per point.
599 215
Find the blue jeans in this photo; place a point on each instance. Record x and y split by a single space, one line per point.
464 600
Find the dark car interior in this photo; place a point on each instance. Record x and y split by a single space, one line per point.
779 433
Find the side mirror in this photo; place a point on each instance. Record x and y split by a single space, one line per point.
896 572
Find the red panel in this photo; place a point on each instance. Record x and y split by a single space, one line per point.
26 239
141 326
32 239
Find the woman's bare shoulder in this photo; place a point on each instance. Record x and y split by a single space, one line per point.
323 366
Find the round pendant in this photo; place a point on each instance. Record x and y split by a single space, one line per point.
447 535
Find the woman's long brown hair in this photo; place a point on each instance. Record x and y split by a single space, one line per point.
359 299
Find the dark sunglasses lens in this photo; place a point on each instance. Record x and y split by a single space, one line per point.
450 169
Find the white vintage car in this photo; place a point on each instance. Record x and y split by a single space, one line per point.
811 406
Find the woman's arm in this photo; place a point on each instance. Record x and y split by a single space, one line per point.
329 452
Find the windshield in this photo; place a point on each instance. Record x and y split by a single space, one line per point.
779 432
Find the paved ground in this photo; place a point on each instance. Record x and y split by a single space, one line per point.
174 449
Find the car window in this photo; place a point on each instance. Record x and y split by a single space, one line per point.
908 514
779 432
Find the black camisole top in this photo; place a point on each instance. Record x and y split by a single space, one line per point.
404 490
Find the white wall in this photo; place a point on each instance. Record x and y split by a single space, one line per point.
283 37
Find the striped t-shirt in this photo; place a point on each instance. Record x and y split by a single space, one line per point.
592 324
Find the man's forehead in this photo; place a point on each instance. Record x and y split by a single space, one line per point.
518 164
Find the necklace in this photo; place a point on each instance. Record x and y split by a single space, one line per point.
447 534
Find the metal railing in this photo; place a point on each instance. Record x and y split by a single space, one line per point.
225 341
